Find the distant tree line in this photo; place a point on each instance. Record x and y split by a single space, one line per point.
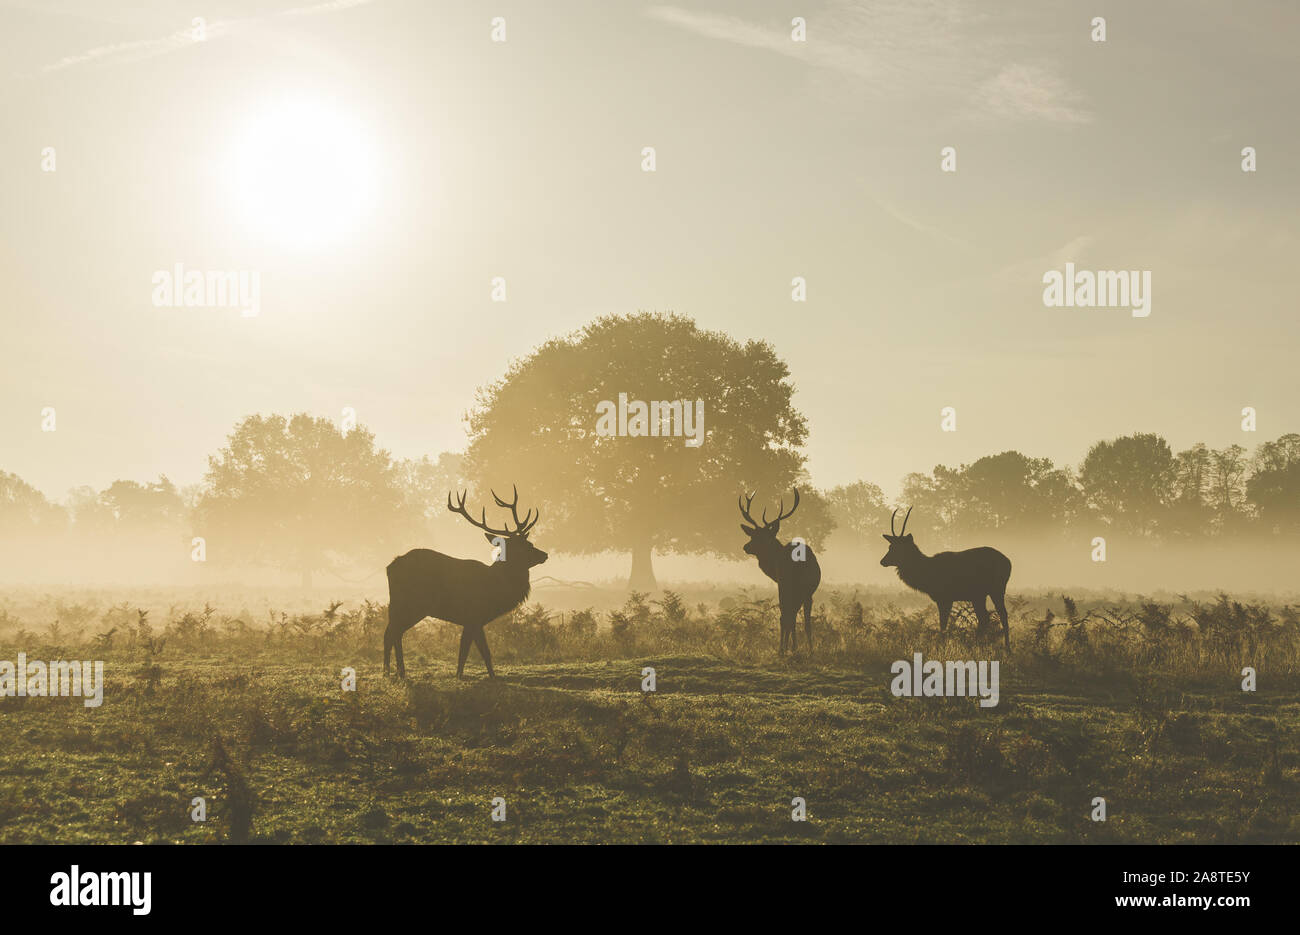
293 493
303 494
1133 485
299 494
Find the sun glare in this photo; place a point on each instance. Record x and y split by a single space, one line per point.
303 174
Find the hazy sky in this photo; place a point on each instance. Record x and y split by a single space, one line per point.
775 159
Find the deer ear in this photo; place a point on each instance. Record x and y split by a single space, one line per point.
747 531
887 538
908 537
490 538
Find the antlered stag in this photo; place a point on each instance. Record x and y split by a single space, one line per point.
947 577
423 583
792 566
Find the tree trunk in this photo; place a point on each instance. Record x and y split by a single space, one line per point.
643 571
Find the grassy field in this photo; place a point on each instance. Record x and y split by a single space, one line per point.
1108 703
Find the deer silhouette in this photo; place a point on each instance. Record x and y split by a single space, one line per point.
423 583
794 568
947 577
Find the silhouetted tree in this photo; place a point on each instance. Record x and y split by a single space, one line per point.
425 484
935 502
1128 481
33 529
143 506
537 427
23 508
1188 513
1274 487
1227 487
1011 491
1007 491
143 523
301 494
89 514
859 511
28 521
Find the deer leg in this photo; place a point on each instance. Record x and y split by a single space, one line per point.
393 636
400 619
401 660
480 640
397 625
787 629
1000 602
981 614
807 623
466 637
945 608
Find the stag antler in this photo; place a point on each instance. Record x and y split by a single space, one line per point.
892 518
749 501
521 528
481 523
782 514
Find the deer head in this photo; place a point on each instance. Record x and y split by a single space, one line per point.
762 534
901 547
519 552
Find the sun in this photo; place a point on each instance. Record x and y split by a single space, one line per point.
303 174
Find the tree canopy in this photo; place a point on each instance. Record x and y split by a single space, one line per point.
300 493
537 427
1274 487
1128 480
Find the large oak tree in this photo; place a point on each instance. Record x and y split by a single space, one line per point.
537 427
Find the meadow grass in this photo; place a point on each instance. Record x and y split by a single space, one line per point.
1139 703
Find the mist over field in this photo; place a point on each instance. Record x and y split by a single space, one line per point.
135 533
1249 567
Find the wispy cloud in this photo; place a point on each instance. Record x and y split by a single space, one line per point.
729 29
1031 92
903 50
138 49
1031 269
908 221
